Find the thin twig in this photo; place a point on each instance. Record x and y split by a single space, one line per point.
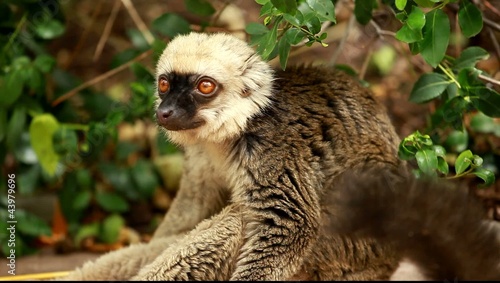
100 78
83 37
495 42
138 21
107 30
15 34
486 21
458 47
324 26
381 32
364 67
217 14
491 7
334 34
491 23
342 42
488 79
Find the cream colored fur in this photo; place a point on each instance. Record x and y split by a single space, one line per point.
245 87
121 264
408 271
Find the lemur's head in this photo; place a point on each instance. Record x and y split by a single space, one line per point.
208 86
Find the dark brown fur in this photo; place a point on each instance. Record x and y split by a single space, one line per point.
435 224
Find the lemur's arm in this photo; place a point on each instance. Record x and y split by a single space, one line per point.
200 196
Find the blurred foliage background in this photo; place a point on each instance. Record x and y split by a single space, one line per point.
77 92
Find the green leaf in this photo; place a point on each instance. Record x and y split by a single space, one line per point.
425 3
158 46
439 150
256 28
452 112
411 31
486 175
65 141
402 16
313 23
428 86
423 139
21 62
285 6
124 149
477 160
12 87
436 37
363 10
427 161
85 231
294 36
415 47
27 180
443 166
32 225
141 73
123 57
82 200
384 59
463 161
469 57
49 28
400 4
482 123
42 128
416 19
457 141
3 124
406 152
267 43
284 51
199 7
33 79
110 229
468 78
23 150
138 39
112 202
120 179
15 127
405 34
45 63
84 179
470 18
451 91
486 100
145 178
170 24
324 9
266 9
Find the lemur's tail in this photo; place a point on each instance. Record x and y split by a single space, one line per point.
436 225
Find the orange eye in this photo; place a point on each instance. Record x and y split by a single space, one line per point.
206 86
163 85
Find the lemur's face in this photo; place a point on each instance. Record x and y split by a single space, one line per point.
208 86
183 96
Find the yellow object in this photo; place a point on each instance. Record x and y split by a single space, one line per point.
46 275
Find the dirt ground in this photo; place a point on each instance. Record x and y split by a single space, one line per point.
48 261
